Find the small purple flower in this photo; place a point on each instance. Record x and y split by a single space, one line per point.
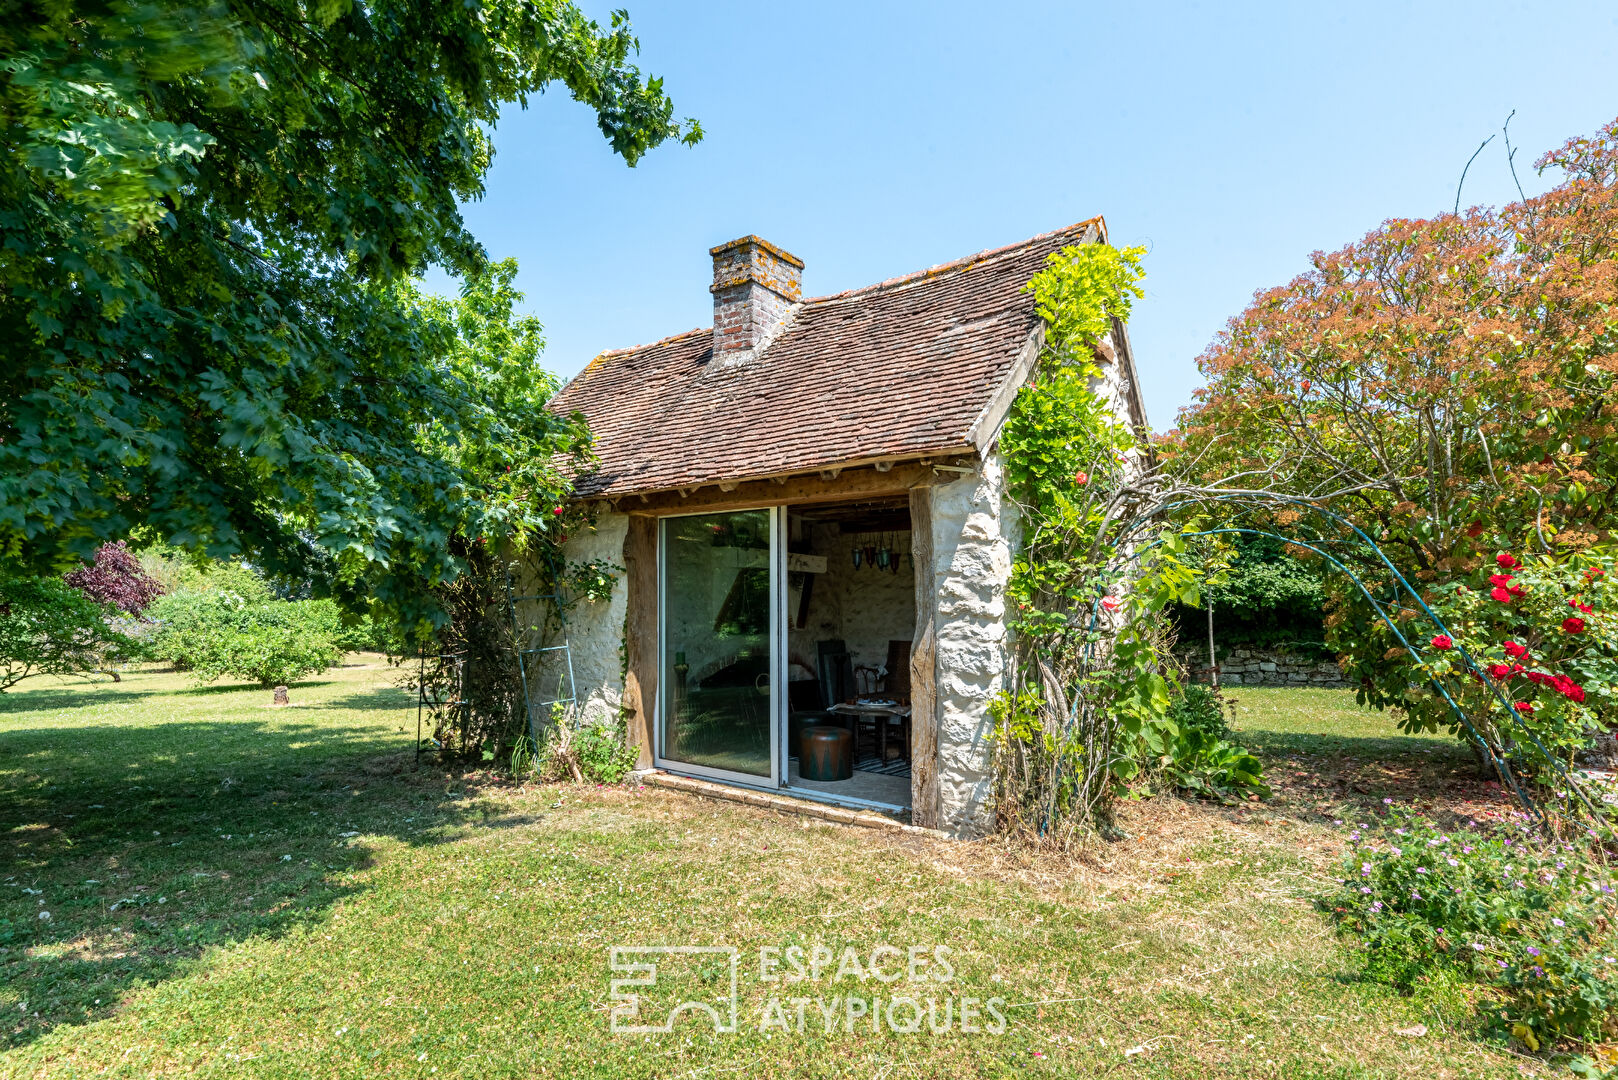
1532 951
1399 832
1477 947
1339 821
1376 905
1365 888
1396 851
1466 851
1502 963
1558 922
1387 802
1421 869
1414 895
1453 862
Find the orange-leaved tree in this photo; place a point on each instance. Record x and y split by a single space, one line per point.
1445 381
1447 384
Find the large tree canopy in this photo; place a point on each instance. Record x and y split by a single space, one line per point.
1446 381
210 214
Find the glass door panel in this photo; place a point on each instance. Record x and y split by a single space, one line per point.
719 643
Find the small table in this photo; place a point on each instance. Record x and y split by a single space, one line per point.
882 714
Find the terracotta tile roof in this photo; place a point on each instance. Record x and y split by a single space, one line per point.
898 369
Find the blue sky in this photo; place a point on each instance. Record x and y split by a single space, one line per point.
873 139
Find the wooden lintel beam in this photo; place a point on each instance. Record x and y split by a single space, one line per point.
859 483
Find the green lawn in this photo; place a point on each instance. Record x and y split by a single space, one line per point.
235 889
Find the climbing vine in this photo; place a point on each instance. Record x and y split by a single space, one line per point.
1089 698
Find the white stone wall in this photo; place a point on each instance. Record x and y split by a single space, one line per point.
974 532
595 630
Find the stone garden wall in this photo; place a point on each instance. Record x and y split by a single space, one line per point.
1250 666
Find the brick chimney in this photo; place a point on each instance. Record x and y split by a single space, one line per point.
756 287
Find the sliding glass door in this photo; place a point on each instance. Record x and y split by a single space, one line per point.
720 688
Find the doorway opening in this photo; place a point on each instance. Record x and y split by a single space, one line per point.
850 618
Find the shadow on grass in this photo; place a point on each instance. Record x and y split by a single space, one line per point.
389 698
126 852
28 699
1268 743
1332 774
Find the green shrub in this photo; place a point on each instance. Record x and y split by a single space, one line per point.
1501 904
1188 749
47 627
220 633
597 752
1201 708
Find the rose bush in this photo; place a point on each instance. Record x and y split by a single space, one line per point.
1543 630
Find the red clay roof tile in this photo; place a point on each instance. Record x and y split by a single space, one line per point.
898 369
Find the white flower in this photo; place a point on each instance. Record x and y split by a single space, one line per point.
44 916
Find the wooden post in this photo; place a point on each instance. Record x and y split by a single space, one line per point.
640 634
924 796
1213 664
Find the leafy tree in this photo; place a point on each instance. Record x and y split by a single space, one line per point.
117 579
47 627
1264 596
1445 381
212 214
219 633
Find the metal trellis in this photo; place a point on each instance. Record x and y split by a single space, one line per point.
528 644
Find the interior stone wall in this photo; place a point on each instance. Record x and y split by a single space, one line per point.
595 630
865 608
974 532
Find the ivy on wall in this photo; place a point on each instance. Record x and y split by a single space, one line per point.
1089 700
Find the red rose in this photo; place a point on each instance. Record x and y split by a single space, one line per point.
1500 594
1506 561
1515 650
1110 603
1573 624
1501 580
1081 479
1306 385
1499 671
1443 641
1524 708
557 511
1515 590
1576 606
1574 692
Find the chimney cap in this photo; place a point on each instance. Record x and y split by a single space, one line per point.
758 241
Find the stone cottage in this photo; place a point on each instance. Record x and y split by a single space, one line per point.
808 504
